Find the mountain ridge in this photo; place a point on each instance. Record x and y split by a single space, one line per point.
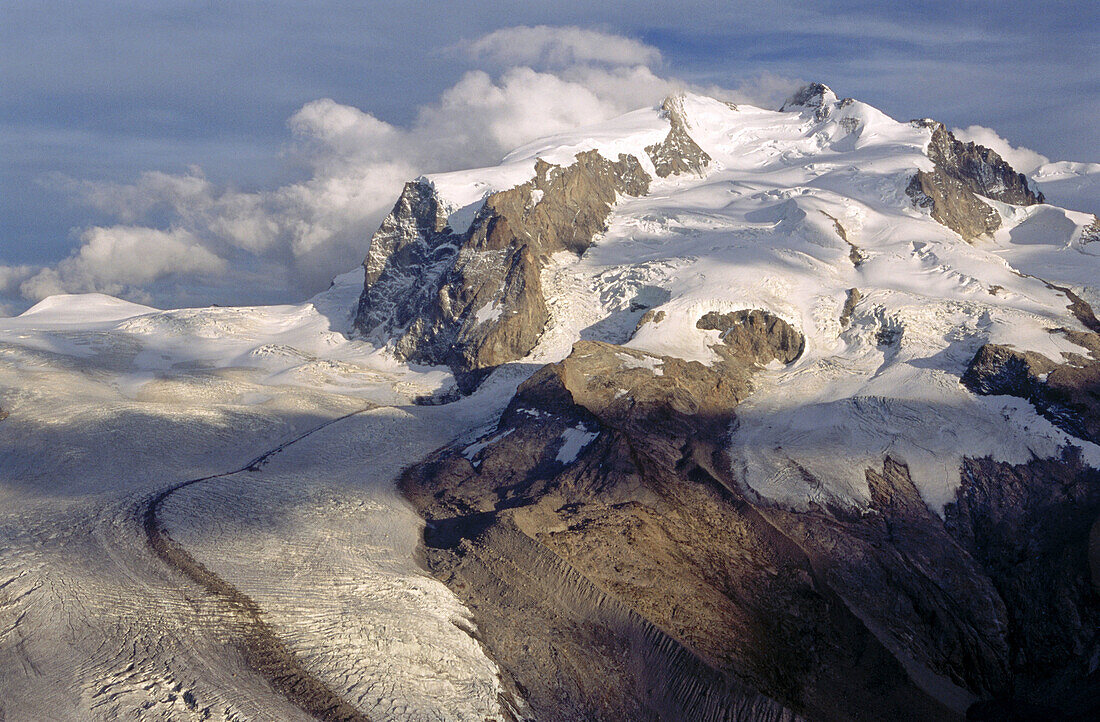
772 374
804 428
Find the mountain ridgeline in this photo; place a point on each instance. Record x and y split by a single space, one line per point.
847 274
474 300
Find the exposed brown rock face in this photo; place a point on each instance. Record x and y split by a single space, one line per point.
754 336
1067 394
855 254
851 300
678 153
953 204
600 521
474 300
645 518
527 480
964 171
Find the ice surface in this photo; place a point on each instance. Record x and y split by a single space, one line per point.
111 402
1070 185
573 441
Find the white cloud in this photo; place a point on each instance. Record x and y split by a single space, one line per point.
123 258
1022 160
153 191
293 239
559 47
12 276
766 90
480 118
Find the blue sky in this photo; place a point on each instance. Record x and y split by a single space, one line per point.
95 94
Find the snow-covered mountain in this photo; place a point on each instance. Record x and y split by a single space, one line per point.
817 215
714 412
812 372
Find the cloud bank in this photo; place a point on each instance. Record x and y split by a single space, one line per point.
178 239
561 47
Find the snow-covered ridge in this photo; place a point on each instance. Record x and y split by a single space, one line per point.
305 346
795 211
797 208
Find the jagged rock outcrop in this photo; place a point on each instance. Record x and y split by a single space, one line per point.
678 152
981 169
473 300
855 254
962 172
814 96
851 300
1068 394
953 204
408 254
609 466
754 336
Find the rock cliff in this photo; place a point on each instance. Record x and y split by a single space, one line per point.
474 300
610 466
962 173
678 152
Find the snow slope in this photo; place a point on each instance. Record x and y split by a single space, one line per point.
797 208
1071 185
111 402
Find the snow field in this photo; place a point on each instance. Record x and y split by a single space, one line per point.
112 402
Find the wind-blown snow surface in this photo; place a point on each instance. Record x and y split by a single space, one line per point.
1071 185
112 402
795 209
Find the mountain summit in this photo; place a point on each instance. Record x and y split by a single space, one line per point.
806 379
712 412
456 273
814 96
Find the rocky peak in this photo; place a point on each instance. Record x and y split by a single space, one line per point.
980 168
474 300
962 173
678 153
416 214
814 96
404 258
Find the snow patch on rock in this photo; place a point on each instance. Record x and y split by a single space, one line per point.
574 439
